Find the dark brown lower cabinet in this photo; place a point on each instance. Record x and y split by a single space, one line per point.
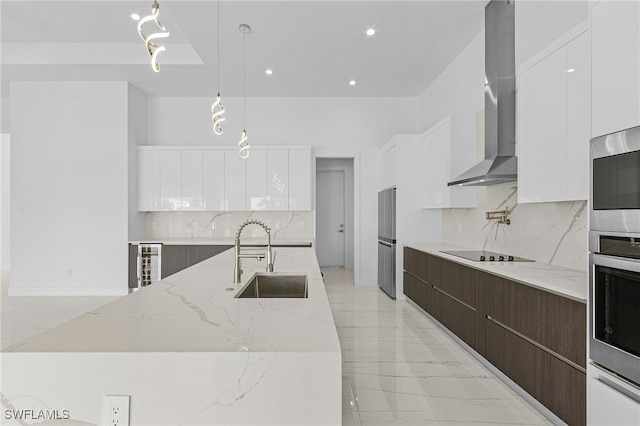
416 290
457 317
538 339
555 384
175 258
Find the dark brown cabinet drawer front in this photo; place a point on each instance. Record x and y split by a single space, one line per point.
553 321
415 263
555 384
458 318
512 355
460 282
415 290
433 266
563 390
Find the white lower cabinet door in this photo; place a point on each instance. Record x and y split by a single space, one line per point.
299 179
611 402
213 178
278 179
256 177
192 191
235 181
171 180
148 180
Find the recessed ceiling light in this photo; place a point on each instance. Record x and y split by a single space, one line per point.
135 16
371 32
352 83
268 71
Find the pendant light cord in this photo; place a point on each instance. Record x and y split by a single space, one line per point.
244 78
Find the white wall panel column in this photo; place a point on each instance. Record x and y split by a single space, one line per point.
69 195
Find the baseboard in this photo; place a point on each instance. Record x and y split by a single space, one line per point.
503 377
67 291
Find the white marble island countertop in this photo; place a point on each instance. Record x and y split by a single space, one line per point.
187 352
192 311
227 241
565 282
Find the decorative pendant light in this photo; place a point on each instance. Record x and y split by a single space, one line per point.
217 109
152 48
243 144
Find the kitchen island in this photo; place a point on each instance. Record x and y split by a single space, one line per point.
188 352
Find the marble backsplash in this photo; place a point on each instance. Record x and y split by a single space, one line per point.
285 225
554 233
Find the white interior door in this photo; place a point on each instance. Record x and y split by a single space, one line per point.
330 218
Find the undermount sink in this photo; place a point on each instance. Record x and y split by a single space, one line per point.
274 285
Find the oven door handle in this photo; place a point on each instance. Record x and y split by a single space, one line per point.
616 262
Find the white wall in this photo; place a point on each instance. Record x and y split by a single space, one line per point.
538 23
137 135
69 194
5 228
334 127
458 90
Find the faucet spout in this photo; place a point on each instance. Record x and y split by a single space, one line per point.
237 273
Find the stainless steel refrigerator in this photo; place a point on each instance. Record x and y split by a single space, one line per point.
387 241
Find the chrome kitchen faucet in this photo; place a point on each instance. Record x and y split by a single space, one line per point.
237 272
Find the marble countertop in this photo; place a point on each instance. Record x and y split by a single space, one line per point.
192 311
226 241
565 282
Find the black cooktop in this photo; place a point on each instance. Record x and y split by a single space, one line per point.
486 256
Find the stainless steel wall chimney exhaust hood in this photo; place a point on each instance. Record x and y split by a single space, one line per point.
500 164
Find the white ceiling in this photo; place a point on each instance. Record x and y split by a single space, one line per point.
313 47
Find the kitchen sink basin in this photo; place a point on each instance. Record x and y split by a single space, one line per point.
266 285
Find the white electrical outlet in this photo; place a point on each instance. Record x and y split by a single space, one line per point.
115 410
213 225
459 227
154 225
277 225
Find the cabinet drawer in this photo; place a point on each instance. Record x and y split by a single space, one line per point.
460 282
415 262
553 321
415 290
555 384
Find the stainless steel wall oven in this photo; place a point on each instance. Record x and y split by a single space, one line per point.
614 245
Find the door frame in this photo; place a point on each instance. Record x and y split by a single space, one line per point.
355 206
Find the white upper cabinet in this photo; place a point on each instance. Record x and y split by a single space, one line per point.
256 184
278 179
578 117
234 181
171 180
447 150
192 180
615 62
148 180
299 179
218 179
213 171
553 119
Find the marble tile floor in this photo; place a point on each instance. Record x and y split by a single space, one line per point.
399 368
